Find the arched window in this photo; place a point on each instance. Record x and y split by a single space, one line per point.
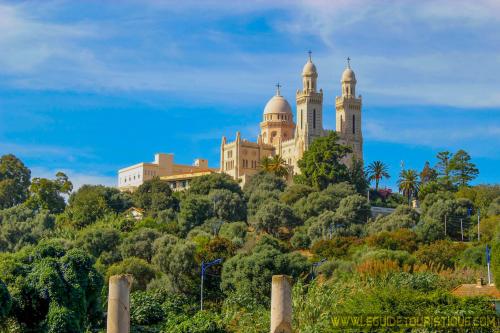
341 123
314 118
301 119
353 124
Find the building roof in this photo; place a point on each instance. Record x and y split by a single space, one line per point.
476 290
309 68
137 209
348 75
278 104
188 175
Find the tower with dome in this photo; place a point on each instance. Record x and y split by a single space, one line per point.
281 135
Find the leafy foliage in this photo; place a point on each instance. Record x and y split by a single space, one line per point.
155 196
322 164
91 203
14 181
47 194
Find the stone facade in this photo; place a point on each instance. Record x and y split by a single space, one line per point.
281 135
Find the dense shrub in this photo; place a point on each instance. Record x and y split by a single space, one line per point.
402 239
141 271
145 309
440 253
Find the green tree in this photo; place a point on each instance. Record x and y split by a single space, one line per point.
154 196
47 194
354 209
443 164
215 181
272 216
227 205
376 171
408 183
322 164
177 260
495 256
275 165
5 302
140 244
21 226
98 240
195 210
315 204
145 309
92 202
441 252
54 288
461 169
295 192
402 217
259 197
251 274
14 181
141 271
357 175
428 174
264 181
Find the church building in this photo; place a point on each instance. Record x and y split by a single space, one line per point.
281 135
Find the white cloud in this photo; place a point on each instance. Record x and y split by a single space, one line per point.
43 151
404 51
78 178
475 138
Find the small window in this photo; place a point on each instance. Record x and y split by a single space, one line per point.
314 118
353 124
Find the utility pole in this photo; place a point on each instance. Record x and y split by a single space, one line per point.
445 216
204 267
462 229
478 231
488 259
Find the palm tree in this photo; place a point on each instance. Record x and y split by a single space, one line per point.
276 165
376 171
408 183
280 167
266 164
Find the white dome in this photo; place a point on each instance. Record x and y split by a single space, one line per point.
348 75
309 68
277 104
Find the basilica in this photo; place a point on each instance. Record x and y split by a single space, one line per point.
281 135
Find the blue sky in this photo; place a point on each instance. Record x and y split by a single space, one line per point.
88 87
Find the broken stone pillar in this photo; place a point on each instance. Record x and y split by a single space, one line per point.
281 304
119 304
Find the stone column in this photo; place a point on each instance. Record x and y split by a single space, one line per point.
281 304
119 304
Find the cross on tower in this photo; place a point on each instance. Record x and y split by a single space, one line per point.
310 52
278 86
348 62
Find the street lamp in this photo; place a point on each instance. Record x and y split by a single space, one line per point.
204 267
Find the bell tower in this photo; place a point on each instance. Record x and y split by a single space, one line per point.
309 108
348 113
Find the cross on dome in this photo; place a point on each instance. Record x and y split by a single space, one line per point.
278 86
310 52
348 62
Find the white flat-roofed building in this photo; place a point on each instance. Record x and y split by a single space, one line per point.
131 177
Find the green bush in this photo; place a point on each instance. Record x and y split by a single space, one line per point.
145 309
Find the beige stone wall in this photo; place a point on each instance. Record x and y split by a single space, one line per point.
242 158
